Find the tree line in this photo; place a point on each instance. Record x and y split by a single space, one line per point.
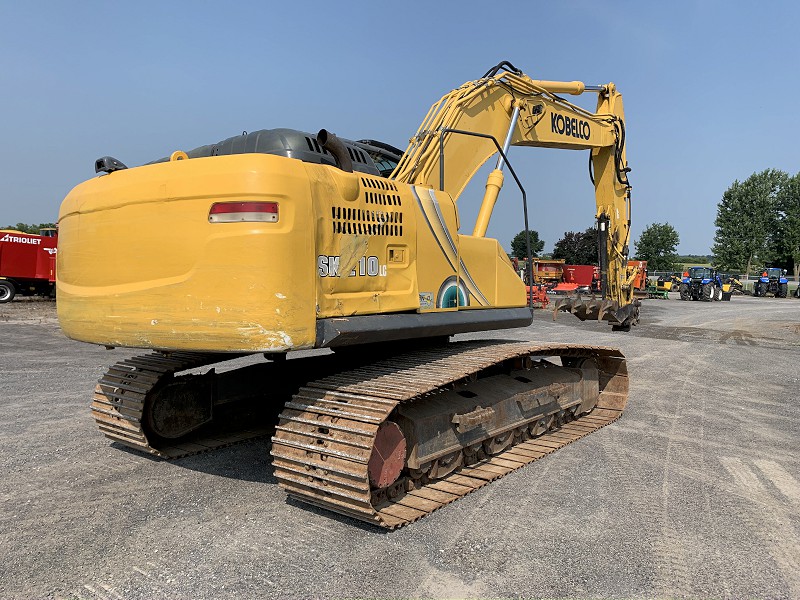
26 228
657 245
758 223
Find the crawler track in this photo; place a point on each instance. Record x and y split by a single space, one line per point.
119 401
325 437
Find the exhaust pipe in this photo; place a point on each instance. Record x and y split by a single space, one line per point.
333 144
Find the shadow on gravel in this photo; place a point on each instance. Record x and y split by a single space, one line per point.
246 461
369 528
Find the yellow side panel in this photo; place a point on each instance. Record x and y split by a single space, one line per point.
391 248
140 265
487 275
366 256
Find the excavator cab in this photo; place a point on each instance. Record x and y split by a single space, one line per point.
385 156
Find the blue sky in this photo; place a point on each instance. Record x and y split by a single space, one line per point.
710 88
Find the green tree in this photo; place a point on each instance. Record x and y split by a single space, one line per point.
700 259
787 236
577 248
520 250
657 245
746 217
24 228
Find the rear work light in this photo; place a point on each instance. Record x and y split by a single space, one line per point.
237 212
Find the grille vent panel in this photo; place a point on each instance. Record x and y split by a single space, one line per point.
358 221
380 195
379 184
314 146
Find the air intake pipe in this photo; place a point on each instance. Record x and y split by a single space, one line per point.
333 144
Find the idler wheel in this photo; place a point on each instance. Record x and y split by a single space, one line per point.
180 406
388 455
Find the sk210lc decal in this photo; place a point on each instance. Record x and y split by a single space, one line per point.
367 266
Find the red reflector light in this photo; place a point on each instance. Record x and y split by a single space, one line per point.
236 212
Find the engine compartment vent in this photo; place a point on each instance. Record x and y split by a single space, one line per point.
381 198
358 221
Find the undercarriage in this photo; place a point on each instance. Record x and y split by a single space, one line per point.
379 436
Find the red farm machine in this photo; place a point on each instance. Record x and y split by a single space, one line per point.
27 263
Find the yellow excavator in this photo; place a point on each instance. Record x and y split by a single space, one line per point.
278 241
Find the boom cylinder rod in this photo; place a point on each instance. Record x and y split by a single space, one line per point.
494 182
602 252
507 144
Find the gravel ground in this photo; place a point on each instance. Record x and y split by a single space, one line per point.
695 492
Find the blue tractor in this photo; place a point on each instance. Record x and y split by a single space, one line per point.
701 283
772 281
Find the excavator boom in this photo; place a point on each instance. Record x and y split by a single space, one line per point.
507 105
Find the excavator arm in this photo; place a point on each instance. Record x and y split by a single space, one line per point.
506 104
